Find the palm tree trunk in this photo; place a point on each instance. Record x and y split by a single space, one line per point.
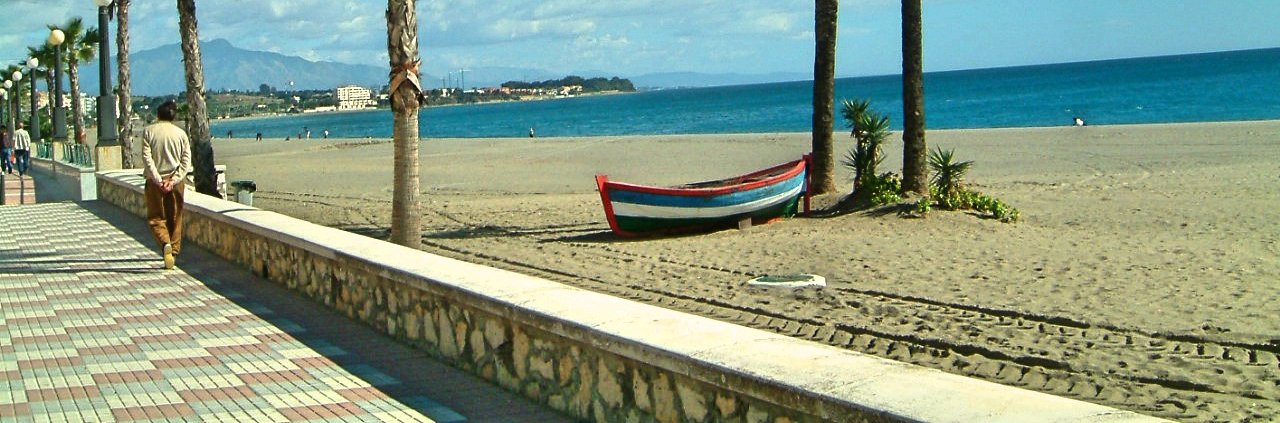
402 47
824 86
914 174
197 112
125 96
77 106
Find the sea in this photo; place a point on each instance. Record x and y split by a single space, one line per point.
1224 86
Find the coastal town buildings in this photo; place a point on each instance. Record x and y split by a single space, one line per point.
353 97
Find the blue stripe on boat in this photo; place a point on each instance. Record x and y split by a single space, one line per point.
650 199
666 212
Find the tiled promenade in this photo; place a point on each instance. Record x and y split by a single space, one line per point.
92 329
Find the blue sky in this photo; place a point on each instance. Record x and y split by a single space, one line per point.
636 37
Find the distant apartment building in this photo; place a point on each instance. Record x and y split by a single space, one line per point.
353 97
87 103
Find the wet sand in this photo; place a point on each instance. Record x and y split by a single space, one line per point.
1144 274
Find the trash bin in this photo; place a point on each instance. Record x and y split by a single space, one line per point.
244 191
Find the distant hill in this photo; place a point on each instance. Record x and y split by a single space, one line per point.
694 79
159 71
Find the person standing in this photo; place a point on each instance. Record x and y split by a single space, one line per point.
166 157
21 149
6 150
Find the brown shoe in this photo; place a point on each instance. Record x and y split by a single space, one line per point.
168 256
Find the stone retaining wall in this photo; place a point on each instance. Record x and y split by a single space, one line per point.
590 355
80 183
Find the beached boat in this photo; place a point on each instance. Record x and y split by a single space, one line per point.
760 196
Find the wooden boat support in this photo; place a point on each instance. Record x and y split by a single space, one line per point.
757 197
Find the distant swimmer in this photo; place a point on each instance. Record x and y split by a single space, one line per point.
1079 121
531 134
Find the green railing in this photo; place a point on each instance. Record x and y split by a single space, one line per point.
44 150
77 154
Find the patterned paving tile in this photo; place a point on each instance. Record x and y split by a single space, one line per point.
91 329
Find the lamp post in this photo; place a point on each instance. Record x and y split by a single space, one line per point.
8 105
4 111
32 65
107 100
56 37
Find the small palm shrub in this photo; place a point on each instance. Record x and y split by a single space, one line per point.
947 186
948 174
869 130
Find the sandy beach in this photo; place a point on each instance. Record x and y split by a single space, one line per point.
1144 274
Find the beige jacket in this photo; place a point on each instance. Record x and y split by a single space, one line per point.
166 152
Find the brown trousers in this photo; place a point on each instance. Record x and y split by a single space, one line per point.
164 214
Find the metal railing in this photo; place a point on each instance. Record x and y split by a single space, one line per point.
44 150
77 154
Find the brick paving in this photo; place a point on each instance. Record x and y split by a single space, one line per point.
93 329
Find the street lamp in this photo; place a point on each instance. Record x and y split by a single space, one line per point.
8 105
32 64
56 37
107 100
4 111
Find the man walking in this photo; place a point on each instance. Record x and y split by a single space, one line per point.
21 149
166 157
6 150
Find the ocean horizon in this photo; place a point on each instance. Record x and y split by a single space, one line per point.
1204 87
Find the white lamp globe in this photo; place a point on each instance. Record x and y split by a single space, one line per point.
8 84
4 92
56 37
33 63
17 76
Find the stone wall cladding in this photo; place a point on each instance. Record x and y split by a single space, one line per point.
579 367
582 381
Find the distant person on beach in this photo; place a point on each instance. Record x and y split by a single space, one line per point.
21 149
531 134
166 158
6 150
259 136
1079 121
326 133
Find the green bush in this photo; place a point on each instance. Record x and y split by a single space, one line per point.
883 189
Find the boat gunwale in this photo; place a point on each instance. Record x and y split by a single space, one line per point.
787 171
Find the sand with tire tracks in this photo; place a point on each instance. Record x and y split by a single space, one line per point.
1145 273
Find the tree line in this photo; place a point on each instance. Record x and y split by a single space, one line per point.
589 85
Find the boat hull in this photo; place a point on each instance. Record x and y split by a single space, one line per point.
761 196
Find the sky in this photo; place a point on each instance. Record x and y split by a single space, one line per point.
635 37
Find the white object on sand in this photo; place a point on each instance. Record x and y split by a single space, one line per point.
798 280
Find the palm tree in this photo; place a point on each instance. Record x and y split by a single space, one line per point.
125 96
402 48
81 44
197 112
15 96
914 173
824 88
45 55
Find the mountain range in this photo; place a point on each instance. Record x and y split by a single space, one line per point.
159 71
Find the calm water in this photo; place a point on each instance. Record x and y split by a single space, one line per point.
1190 88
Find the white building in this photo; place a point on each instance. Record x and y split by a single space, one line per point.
352 97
